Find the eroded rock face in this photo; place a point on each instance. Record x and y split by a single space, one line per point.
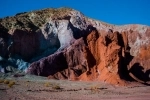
72 46
48 65
3 41
24 43
101 56
74 61
31 43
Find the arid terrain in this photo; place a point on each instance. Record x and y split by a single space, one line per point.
40 88
60 54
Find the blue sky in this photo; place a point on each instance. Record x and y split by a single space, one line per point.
112 11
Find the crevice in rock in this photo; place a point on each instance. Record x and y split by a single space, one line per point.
126 58
138 73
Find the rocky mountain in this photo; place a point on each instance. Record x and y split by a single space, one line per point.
64 44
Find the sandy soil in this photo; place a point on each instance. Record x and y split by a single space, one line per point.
40 88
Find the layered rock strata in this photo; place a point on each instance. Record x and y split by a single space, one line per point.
64 44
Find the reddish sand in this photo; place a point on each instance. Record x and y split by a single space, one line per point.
39 88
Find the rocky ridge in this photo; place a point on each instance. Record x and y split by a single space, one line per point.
64 44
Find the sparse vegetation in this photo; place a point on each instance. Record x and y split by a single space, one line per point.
94 89
11 83
47 84
32 20
6 81
1 80
57 87
52 85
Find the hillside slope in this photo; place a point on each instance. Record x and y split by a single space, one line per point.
64 44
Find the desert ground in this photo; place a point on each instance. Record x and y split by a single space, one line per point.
29 87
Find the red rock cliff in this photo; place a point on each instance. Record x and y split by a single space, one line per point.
64 44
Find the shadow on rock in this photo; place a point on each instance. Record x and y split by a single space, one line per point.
138 71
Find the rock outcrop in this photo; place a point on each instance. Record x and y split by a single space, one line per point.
64 44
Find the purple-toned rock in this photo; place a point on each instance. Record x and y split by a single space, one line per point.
48 65
64 44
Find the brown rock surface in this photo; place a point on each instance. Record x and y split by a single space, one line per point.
102 56
3 41
64 44
48 65
25 43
